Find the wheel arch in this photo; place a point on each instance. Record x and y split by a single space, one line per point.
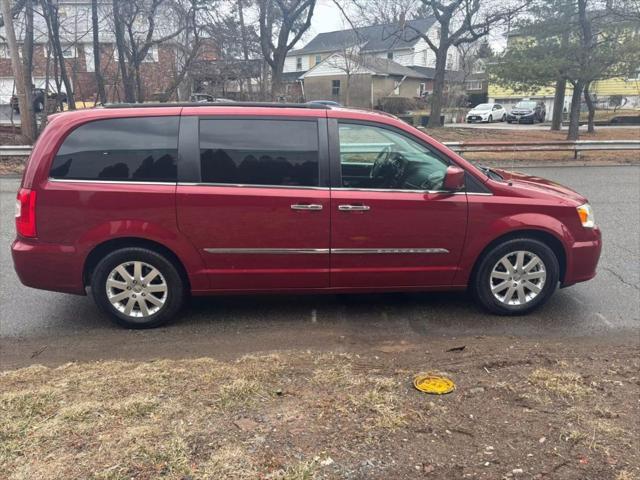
102 249
542 236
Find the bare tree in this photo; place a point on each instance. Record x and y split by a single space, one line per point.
51 15
23 89
136 33
282 25
97 67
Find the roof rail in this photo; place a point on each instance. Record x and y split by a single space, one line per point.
218 104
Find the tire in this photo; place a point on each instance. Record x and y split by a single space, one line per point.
166 287
490 119
504 117
547 271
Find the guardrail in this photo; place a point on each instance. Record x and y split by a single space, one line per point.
459 147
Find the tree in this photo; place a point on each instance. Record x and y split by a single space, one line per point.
95 27
458 22
51 15
136 33
581 47
282 25
23 88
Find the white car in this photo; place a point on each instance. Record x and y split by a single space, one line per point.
487 112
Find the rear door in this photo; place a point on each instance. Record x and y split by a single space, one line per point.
392 223
253 198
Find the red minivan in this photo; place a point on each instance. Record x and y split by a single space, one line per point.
149 204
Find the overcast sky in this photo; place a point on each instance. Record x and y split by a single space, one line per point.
328 18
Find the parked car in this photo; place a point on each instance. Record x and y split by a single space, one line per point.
527 111
147 205
38 96
328 103
487 112
206 98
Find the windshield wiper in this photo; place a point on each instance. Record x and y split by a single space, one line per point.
492 174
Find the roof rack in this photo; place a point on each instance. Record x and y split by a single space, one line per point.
218 104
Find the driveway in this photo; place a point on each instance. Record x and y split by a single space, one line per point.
38 326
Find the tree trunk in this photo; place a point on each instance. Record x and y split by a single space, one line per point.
574 116
51 15
127 81
245 43
276 76
347 93
102 94
438 89
23 91
592 109
27 60
558 104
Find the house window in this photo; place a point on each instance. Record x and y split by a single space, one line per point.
152 55
335 88
299 63
422 90
4 51
318 59
390 55
69 51
634 77
449 61
474 85
396 87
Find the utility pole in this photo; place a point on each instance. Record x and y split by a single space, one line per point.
23 89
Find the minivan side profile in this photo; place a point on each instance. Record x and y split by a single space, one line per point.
145 206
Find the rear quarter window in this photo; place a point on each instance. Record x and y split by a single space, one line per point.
120 149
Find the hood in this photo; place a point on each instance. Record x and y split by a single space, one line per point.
541 185
479 112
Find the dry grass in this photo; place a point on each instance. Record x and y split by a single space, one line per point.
282 417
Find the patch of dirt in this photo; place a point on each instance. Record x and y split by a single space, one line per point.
12 165
522 409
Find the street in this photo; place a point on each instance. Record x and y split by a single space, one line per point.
38 326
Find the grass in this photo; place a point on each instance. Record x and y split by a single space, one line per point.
180 419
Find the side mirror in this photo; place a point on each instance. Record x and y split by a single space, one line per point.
454 179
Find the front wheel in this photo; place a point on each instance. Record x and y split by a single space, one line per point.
516 276
504 117
137 287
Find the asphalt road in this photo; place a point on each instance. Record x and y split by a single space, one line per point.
38 326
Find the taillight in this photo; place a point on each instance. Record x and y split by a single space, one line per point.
26 213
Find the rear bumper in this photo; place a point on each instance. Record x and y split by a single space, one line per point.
582 259
48 266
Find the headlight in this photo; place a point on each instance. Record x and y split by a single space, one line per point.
585 212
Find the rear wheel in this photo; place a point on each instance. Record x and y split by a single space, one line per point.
137 287
516 277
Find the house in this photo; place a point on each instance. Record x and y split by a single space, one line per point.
387 47
158 69
607 93
361 81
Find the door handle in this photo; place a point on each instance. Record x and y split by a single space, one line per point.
311 206
354 208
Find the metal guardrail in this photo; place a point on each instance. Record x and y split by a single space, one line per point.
458 147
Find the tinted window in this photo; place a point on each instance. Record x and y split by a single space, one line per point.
259 152
137 149
374 157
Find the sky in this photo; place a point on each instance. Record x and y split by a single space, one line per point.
328 18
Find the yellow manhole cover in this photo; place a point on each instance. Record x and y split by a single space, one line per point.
434 384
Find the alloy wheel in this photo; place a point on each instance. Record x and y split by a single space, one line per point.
517 278
136 289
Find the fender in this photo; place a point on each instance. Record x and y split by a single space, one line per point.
480 235
138 229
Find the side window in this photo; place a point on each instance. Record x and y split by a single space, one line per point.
259 152
125 149
376 157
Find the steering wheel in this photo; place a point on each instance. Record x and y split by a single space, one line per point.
382 159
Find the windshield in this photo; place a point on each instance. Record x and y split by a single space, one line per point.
530 105
483 106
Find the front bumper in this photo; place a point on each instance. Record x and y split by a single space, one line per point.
582 259
476 118
521 118
48 266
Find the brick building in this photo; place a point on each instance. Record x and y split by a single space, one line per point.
158 70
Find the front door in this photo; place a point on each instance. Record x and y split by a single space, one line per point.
257 212
392 224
